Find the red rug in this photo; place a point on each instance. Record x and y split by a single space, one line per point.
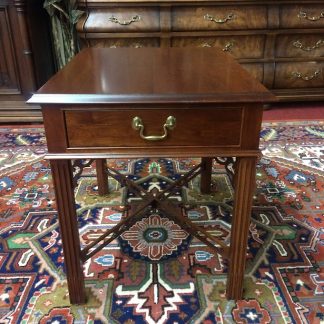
180 280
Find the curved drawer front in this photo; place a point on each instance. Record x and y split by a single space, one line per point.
219 18
299 75
122 19
302 16
120 42
300 45
193 127
239 46
255 69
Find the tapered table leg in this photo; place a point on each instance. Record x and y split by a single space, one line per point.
206 174
244 188
102 178
62 178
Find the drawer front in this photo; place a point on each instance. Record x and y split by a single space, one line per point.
299 75
219 18
194 127
255 69
123 20
303 45
239 46
302 16
120 42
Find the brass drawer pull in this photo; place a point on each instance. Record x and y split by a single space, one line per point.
298 75
298 44
229 17
170 124
303 14
227 48
125 22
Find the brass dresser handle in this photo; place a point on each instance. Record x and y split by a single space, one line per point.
304 15
299 44
298 75
230 16
227 48
170 124
124 22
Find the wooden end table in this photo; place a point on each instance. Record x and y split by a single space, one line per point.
152 102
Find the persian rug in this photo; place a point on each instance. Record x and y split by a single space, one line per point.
156 272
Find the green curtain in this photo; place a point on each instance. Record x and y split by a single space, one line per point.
63 15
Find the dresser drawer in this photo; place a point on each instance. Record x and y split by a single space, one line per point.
239 46
194 127
218 18
120 42
122 19
299 75
302 16
300 45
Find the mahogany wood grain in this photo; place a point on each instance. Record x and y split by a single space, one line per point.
240 46
300 45
244 188
259 34
289 16
63 184
194 127
299 74
255 69
193 18
113 42
122 20
163 72
218 109
102 177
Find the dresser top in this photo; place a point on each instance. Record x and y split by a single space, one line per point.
151 75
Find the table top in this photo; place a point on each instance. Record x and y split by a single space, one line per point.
152 75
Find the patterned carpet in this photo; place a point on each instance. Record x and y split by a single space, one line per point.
156 272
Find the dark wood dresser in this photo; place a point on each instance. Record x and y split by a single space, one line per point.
280 42
25 58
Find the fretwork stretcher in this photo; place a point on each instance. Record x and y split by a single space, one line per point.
154 199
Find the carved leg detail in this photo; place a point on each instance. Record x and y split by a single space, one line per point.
63 183
102 177
206 174
245 184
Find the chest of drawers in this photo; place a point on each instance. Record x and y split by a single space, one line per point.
281 43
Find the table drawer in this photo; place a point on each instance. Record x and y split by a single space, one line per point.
194 127
219 18
302 16
300 45
122 19
299 75
240 46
